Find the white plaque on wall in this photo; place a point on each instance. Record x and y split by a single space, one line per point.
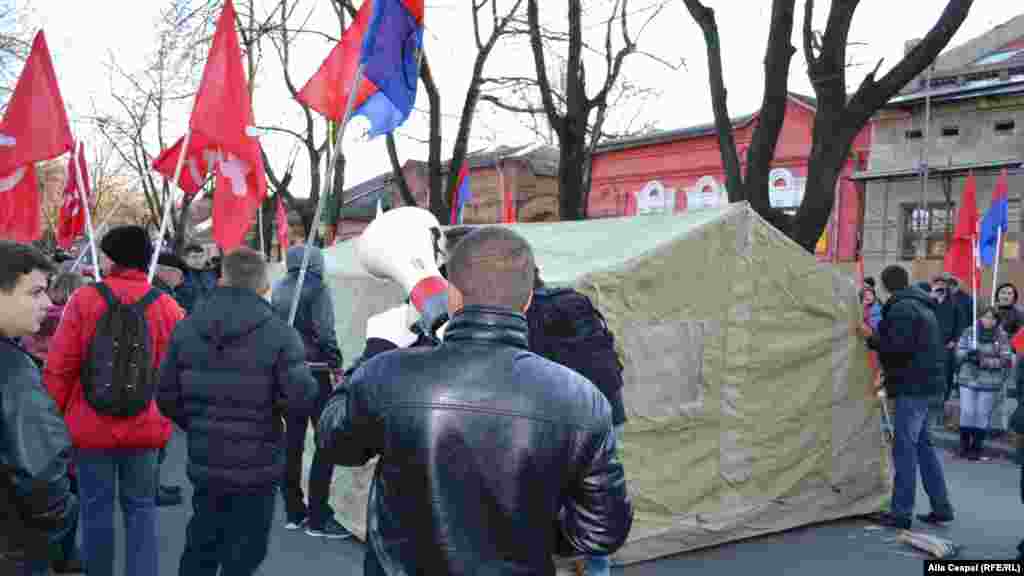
706 193
654 198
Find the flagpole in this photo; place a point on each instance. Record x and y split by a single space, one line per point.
259 222
995 267
328 182
102 227
976 287
85 206
167 205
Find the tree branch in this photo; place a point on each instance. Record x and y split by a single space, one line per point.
777 58
874 94
705 17
396 170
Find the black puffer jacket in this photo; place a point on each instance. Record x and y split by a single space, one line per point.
35 448
232 369
909 345
492 458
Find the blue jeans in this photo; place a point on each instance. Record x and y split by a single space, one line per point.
912 449
25 567
132 475
229 532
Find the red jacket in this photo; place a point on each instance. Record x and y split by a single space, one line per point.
69 346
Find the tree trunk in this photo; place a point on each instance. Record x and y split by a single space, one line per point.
436 201
828 155
572 144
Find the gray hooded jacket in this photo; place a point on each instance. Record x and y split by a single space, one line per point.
315 317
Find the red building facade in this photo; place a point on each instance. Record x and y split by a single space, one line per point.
677 170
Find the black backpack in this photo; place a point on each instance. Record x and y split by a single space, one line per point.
565 327
118 377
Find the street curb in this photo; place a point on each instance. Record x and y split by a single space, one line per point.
949 440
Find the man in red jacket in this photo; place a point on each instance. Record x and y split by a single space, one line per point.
114 454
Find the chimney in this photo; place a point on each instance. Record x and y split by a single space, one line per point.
909 45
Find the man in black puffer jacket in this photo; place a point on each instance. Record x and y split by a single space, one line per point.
492 458
37 507
910 349
231 373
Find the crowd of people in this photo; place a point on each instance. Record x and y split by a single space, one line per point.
930 349
98 376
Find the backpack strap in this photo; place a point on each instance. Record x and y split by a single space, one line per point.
107 294
151 296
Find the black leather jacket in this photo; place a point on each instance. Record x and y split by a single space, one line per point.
36 503
493 459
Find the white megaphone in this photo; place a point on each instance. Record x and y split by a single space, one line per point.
402 245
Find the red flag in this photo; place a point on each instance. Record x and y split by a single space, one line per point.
71 220
199 161
282 226
35 117
960 257
19 205
34 128
328 90
223 114
1018 341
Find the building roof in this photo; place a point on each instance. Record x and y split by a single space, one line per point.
974 68
361 199
937 171
665 136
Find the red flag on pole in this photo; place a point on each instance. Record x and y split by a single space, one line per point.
282 226
223 115
199 161
35 118
71 220
328 90
34 128
960 257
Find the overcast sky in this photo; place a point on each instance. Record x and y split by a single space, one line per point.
82 34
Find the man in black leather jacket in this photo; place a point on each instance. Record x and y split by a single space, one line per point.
37 506
492 459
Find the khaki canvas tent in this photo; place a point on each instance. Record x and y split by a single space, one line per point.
746 387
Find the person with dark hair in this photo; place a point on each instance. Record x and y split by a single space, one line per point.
440 503
565 327
198 280
314 320
115 454
232 372
61 287
872 308
35 448
910 350
985 357
952 324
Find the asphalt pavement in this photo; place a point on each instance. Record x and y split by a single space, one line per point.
985 494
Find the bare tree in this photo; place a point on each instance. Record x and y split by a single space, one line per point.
838 119
569 110
315 141
146 100
15 42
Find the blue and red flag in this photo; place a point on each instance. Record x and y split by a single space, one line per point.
387 38
462 193
995 222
